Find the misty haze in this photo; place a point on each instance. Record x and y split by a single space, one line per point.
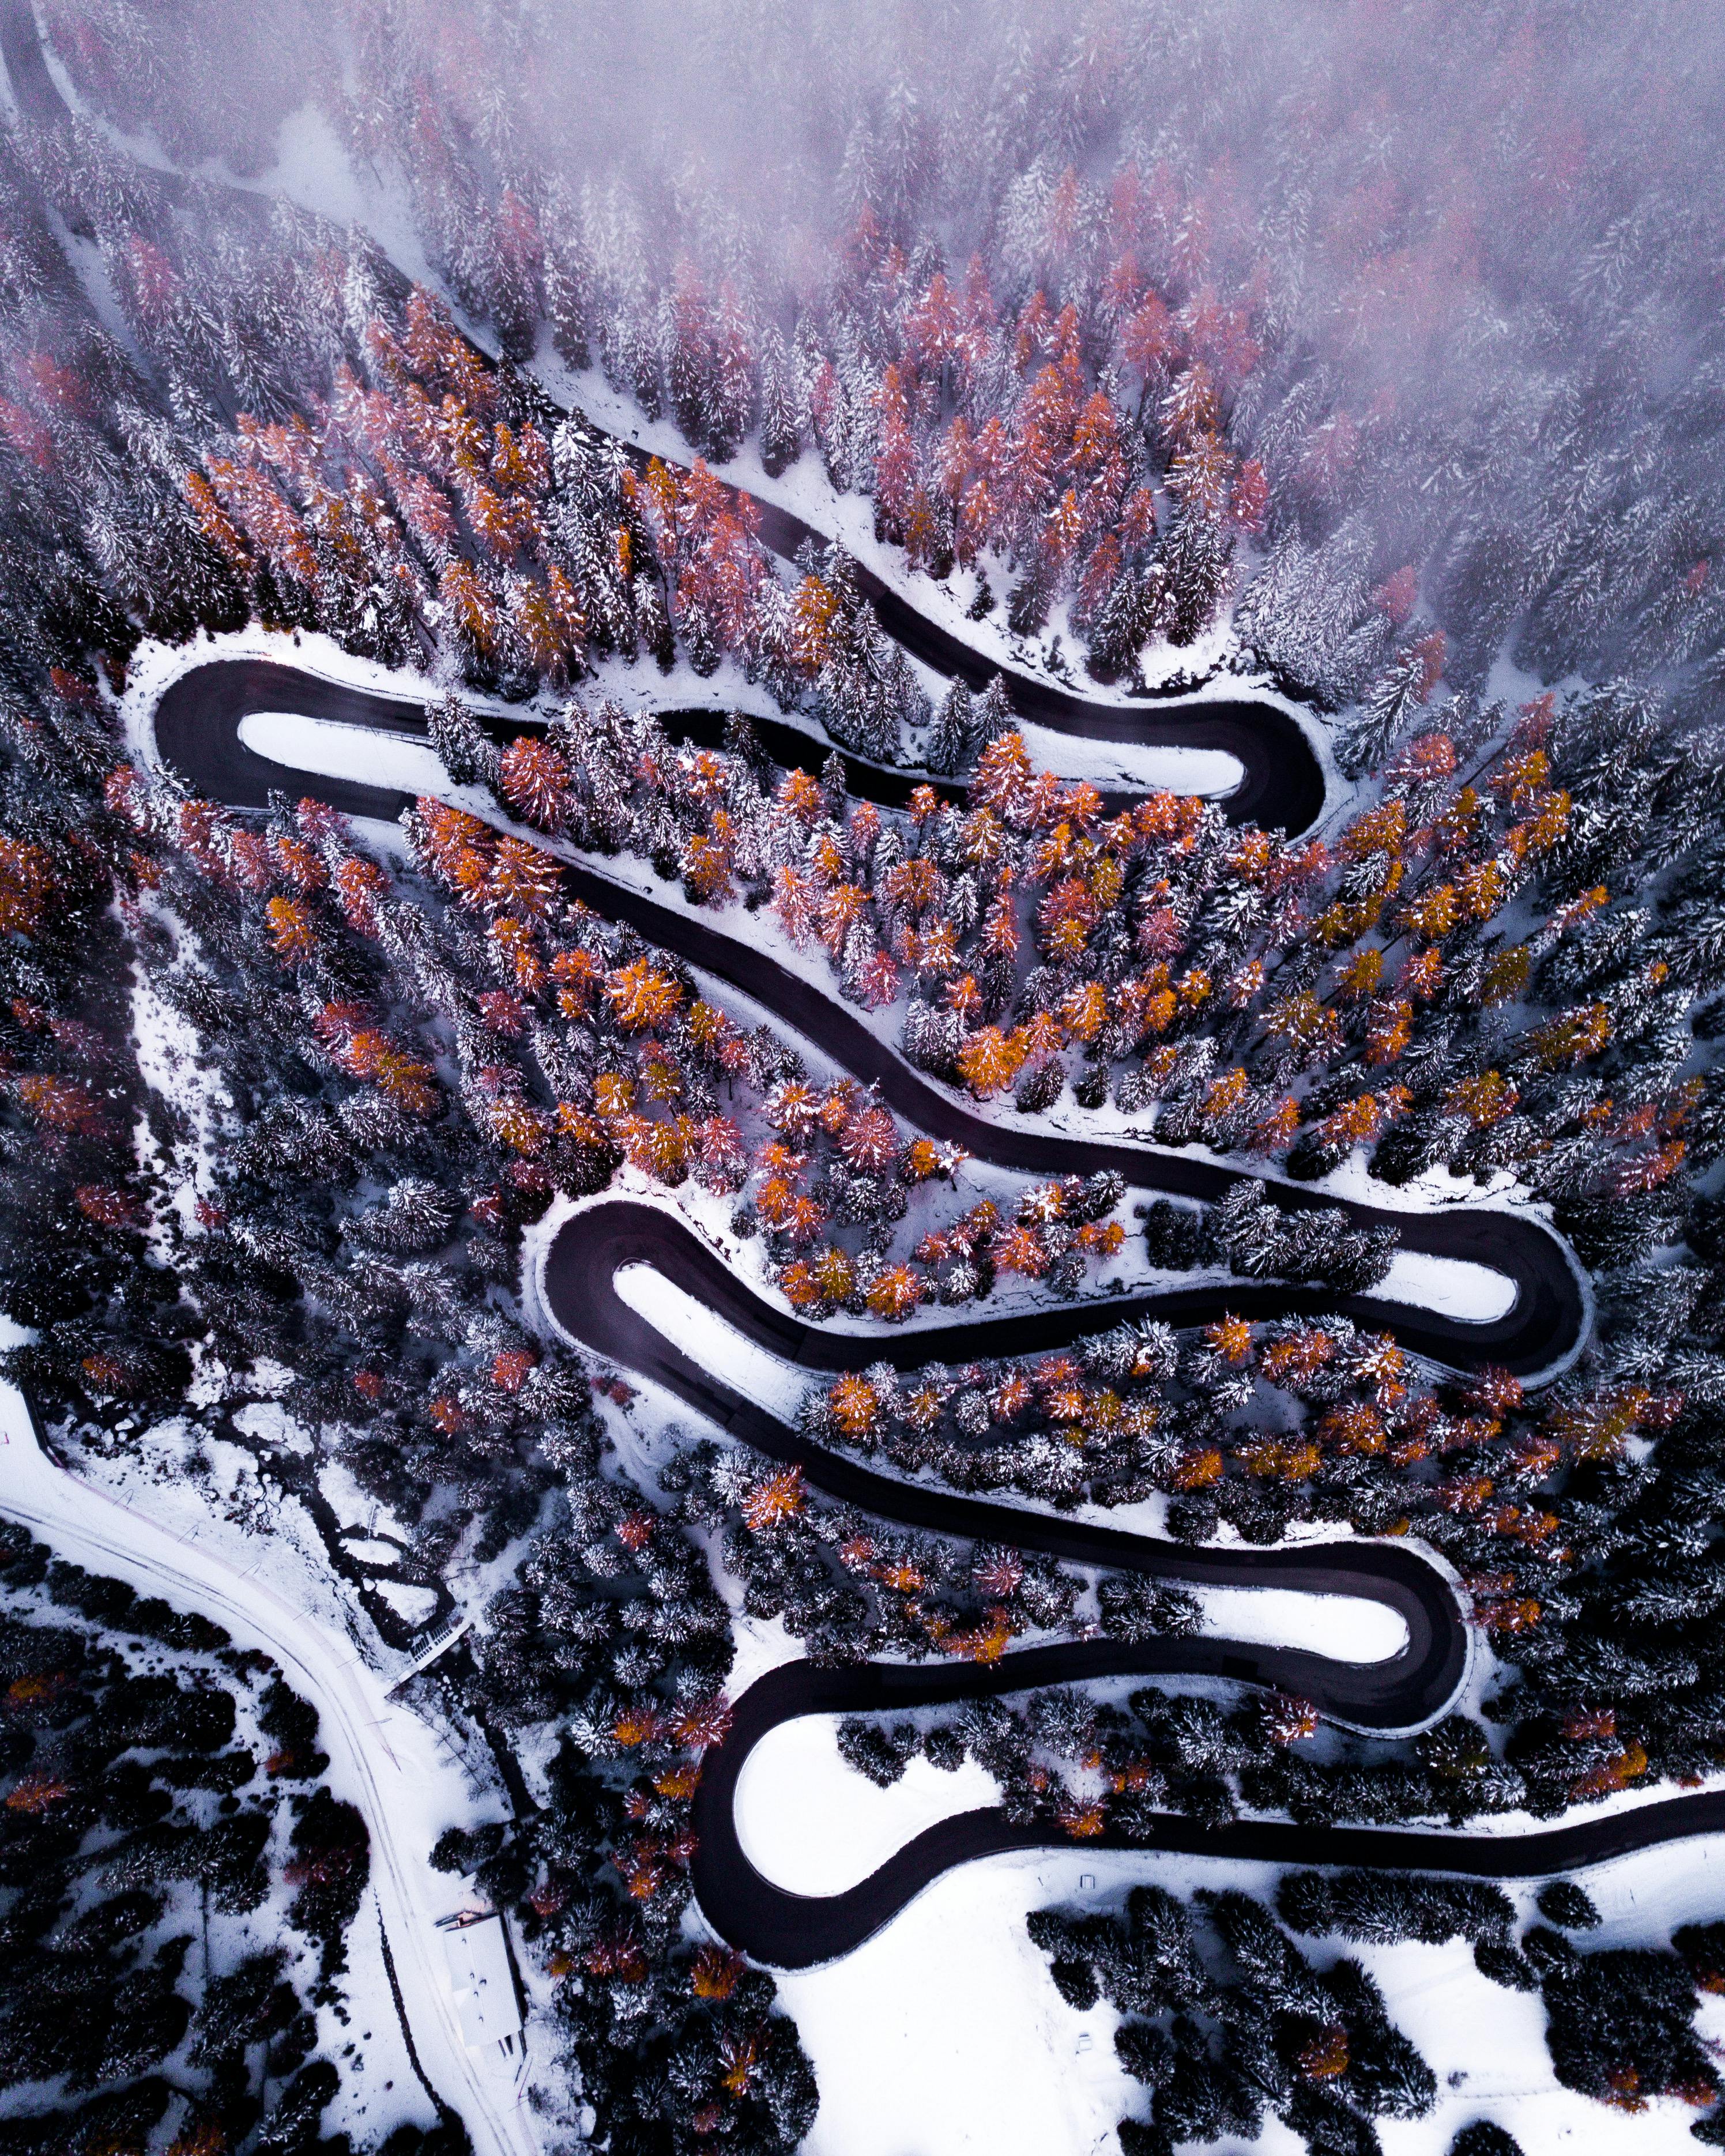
862 1132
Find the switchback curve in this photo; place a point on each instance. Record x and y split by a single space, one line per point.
797 1930
197 733
1283 784
1401 1693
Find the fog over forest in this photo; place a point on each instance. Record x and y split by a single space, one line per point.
846 853
1479 242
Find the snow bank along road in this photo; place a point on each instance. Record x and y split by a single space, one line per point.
197 728
1283 781
357 1724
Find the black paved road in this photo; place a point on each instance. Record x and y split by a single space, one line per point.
1282 784
197 733
795 1931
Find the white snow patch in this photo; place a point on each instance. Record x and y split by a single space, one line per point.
708 1339
1348 1628
270 1423
762 1644
313 168
415 1604
1125 765
814 1825
1455 1287
944 2034
369 1551
338 751
354 1506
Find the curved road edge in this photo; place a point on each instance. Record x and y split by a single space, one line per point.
799 1931
193 727
85 1523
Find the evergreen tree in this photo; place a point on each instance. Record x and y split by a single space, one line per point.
462 745
950 742
781 428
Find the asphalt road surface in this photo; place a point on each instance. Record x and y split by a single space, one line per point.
197 730
1282 785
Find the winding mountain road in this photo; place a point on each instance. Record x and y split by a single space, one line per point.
196 730
578 1283
1282 783
196 725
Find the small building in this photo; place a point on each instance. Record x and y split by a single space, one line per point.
483 1982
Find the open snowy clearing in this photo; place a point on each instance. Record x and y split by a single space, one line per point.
1454 1287
335 750
944 2033
711 1340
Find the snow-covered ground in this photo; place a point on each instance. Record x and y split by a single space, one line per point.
944 2034
812 1824
335 750
1125 765
1454 1287
383 1758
